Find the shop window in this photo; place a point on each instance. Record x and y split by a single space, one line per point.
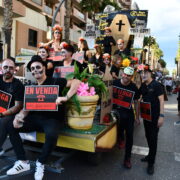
32 39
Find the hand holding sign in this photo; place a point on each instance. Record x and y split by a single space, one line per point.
18 121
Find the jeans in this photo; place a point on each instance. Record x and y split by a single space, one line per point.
34 122
151 133
127 125
3 131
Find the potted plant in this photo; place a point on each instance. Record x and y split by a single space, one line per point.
82 106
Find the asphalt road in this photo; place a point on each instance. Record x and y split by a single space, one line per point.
167 163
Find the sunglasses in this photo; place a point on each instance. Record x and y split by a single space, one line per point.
8 67
35 68
57 32
120 44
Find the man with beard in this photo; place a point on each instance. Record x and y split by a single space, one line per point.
152 92
126 121
9 84
49 122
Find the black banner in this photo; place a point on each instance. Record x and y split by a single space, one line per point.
5 100
122 97
41 98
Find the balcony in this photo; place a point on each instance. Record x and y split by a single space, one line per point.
78 16
39 2
47 10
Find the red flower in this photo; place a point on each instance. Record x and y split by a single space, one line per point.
57 27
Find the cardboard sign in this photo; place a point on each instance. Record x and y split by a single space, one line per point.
90 31
106 102
62 71
145 111
122 97
55 56
5 100
78 56
41 98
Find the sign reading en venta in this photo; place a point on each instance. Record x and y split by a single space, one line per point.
41 98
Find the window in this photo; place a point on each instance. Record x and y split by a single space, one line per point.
32 39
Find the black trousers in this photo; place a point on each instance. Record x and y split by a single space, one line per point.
3 131
127 125
151 133
36 122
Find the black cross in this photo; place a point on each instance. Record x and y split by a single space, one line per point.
120 24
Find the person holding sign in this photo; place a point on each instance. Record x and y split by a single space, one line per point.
67 65
108 41
153 94
48 122
11 97
125 93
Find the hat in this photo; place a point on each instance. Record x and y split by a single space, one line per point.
147 68
36 58
129 71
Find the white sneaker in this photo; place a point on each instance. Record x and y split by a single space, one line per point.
2 152
18 167
39 171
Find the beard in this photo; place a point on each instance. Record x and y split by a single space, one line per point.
8 75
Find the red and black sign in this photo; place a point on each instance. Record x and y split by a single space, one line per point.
145 111
5 100
62 71
122 97
41 98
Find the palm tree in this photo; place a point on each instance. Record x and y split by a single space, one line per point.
7 24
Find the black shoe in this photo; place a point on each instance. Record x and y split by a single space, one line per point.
150 169
144 159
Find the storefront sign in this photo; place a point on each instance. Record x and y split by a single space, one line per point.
5 100
23 59
41 98
122 97
145 111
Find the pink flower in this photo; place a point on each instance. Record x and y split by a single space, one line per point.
85 90
141 67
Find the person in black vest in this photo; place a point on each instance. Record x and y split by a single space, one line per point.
152 92
127 118
9 84
108 41
49 122
121 51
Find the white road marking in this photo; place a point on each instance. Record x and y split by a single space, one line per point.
177 156
140 150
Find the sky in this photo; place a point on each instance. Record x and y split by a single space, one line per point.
164 22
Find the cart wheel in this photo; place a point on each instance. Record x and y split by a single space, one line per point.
94 158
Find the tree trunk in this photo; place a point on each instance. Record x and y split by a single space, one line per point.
67 20
7 24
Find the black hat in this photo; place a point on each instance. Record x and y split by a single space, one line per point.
36 58
69 48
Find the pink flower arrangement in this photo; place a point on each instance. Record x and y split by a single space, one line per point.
141 67
85 90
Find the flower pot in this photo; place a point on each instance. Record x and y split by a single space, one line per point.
84 120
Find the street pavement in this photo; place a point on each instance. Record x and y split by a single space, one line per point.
167 163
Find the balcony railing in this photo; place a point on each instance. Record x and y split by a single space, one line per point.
78 14
39 2
48 10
